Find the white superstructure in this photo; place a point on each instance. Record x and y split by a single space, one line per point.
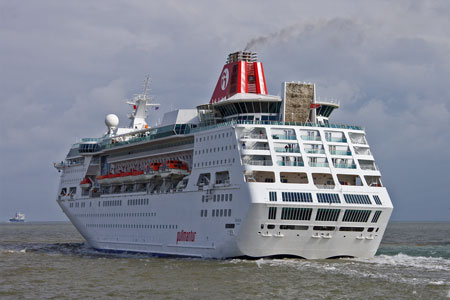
248 174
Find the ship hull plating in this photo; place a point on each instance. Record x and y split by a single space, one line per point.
170 224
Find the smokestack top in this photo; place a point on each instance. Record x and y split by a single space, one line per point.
247 56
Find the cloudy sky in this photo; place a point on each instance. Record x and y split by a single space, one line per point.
64 65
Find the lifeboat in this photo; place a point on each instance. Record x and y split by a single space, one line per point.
146 176
114 178
104 179
155 166
86 183
126 177
134 176
175 168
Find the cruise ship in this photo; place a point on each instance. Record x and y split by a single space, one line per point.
248 174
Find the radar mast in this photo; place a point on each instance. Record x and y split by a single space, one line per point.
140 104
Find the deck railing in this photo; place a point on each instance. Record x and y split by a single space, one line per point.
291 163
322 165
310 138
336 140
315 151
147 135
258 162
287 150
345 166
340 152
283 137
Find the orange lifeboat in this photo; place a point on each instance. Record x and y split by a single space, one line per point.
175 168
155 166
86 183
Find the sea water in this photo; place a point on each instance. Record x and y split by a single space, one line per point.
52 261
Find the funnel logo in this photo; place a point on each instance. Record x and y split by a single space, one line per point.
224 79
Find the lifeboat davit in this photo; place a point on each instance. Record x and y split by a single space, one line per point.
86 183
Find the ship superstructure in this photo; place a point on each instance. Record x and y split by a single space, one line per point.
247 174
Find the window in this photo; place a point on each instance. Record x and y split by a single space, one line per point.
324 228
294 213
352 215
272 213
358 229
376 216
328 198
272 196
324 214
293 227
296 197
377 200
357 199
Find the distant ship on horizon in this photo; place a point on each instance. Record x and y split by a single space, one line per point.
18 218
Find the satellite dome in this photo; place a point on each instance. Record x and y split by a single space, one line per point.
111 121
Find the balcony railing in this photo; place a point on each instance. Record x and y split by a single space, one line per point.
287 150
258 162
316 164
291 163
337 140
315 151
368 167
258 148
310 138
345 166
340 152
254 136
284 137
325 186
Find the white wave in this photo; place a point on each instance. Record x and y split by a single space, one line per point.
9 251
403 260
399 268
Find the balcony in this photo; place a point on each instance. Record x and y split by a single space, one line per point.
287 150
258 162
369 167
317 164
284 137
291 163
315 151
325 186
253 136
310 138
336 140
340 152
259 148
345 166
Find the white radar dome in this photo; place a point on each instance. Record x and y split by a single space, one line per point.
111 120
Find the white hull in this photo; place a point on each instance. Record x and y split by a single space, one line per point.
153 227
